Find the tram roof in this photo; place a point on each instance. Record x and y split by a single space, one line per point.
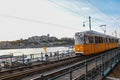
96 33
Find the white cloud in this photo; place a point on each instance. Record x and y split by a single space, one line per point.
85 8
37 13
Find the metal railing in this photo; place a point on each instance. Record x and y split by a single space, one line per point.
96 68
10 61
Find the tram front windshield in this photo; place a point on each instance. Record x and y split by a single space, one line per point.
79 39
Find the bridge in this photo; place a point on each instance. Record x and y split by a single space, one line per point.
66 67
95 68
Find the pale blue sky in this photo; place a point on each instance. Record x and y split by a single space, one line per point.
60 18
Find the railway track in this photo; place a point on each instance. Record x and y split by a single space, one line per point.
31 66
19 73
63 70
33 69
66 70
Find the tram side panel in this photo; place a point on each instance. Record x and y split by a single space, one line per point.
87 49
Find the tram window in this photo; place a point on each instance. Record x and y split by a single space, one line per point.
99 39
79 39
112 40
117 41
90 39
96 39
86 39
102 39
105 40
109 40
93 39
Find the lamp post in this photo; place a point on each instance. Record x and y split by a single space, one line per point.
115 32
90 45
104 29
89 23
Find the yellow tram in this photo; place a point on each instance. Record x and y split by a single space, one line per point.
92 42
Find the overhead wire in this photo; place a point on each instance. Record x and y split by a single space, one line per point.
38 21
91 2
111 18
69 9
65 8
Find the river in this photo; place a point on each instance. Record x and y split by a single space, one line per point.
27 51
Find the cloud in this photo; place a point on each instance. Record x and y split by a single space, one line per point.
27 18
85 8
82 9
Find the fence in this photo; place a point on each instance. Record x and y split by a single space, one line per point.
93 69
10 61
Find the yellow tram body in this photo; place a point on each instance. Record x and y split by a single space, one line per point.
92 42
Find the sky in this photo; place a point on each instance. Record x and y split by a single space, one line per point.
60 18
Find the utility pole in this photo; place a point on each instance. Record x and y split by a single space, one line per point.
115 33
90 23
103 28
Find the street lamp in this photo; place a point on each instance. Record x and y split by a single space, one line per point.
104 29
115 33
89 23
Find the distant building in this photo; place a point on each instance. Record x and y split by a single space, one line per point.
21 45
66 38
41 39
53 39
4 43
119 41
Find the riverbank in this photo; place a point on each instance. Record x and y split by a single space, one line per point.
19 44
36 47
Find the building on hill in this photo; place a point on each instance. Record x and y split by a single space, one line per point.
40 39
